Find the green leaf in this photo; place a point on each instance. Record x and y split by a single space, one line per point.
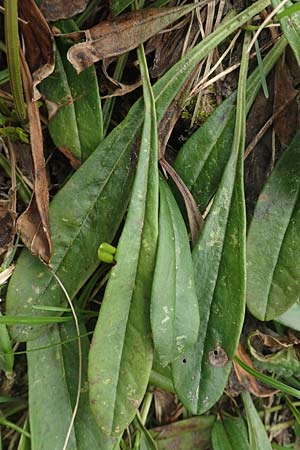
117 6
230 433
291 318
273 278
53 379
193 433
269 381
291 27
257 434
96 197
121 355
6 351
50 407
75 115
201 373
201 160
174 307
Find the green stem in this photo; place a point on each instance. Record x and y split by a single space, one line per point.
13 426
13 56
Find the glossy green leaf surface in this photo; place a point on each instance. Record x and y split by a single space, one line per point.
290 26
273 246
201 160
174 306
230 433
257 434
96 197
201 373
53 378
75 115
121 354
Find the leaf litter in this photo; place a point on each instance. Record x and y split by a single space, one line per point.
115 165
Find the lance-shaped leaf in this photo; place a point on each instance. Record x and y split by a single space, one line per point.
75 115
230 433
257 434
121 34
96 197
174 306
201 160
201 373
53 381
290 25
273 278
121 354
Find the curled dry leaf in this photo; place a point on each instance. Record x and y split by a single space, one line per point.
122 89
121 34
273 342
39 43
249 381
33 224
60 9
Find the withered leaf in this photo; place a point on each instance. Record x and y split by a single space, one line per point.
249 382
121 34
122 89
33 224
273 342
39 43
61 9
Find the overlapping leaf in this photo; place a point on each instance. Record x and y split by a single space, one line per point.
273 278
174 307
290 25
201 160
53 380
201 373
120 358
230 433
257 434
75 116
96 197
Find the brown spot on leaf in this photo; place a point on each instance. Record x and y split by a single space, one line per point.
135 403
218 357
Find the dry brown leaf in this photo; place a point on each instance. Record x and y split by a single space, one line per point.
39 43
274 342
287 123
249 381
62 9
121 34
122 89
194 217
33 224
